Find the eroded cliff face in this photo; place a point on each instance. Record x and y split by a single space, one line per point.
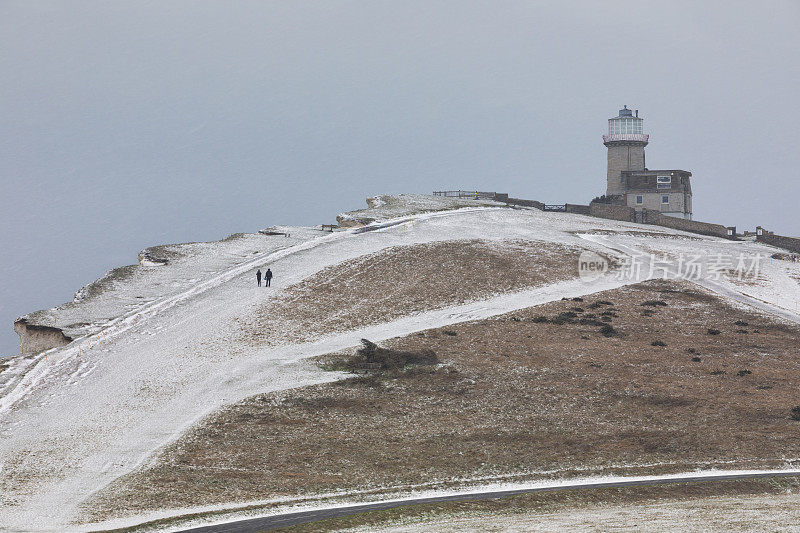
162 272
36 339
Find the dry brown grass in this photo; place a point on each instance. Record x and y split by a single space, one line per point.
514 397
404 280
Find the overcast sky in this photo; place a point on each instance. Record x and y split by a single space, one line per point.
128 124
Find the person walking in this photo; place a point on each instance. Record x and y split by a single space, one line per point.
258 276
267 278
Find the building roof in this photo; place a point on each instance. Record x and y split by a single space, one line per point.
627 113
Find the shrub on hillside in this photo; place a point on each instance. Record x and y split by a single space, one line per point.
795 413
608 330
567 317
388 359
658 343
712 331
655 303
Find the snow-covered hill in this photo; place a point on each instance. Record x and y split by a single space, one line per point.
160 346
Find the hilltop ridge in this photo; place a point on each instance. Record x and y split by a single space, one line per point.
141 373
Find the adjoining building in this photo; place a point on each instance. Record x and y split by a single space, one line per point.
631 183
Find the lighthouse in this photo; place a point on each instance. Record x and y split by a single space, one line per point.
625 142
629 182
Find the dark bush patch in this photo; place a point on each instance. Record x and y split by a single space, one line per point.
658 343
387 359
742 331
590 322
609 313
599 303
577 299
742 373
655 303
590 315
605 318
567 317
608 330
696 359
541 319
712 331
741 323
449 332
717 372
691 350
596 365
795 413
648 312
576 309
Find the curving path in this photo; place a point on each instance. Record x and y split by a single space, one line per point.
269 523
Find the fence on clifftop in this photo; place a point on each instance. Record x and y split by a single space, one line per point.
615 212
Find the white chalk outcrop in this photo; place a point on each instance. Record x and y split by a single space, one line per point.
161 271
385 207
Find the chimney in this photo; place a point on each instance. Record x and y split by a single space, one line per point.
637 113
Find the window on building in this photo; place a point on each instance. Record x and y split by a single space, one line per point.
664 179
639 199
618 125
665 199
664 185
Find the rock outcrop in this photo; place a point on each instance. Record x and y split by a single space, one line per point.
35 338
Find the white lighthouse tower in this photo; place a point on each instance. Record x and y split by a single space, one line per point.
625 142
